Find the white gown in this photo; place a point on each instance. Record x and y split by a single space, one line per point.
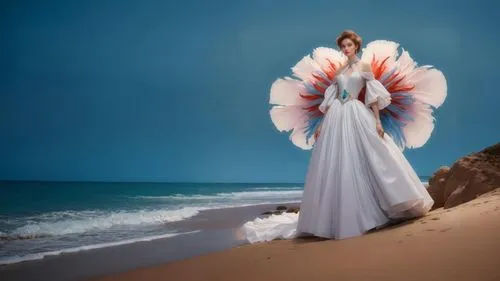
356 181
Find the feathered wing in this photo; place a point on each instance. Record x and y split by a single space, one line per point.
296 100
415 93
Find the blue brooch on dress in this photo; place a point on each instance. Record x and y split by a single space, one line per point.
344 95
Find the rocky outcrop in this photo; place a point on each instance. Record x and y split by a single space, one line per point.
436 185
282 209
467 178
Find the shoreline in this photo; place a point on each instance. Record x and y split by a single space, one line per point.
459 244
216 231
210 231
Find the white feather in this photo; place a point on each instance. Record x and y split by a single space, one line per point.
285 118
323 56
416 75
381 49
430 87
405 64
298 137
417 133
305 68
286 92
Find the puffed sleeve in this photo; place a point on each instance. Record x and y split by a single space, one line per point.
375 91
330 94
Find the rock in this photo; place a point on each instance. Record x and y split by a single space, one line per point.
436 186
468 178
281 209
274 212
293 210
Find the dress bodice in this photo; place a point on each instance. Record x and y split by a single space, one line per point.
347 87
351 83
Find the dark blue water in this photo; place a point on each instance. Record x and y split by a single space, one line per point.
25 198
48 218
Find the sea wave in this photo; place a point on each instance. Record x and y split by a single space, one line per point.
279 188
242 195
74 222
38 256
79 222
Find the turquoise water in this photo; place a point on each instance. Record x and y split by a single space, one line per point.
38 219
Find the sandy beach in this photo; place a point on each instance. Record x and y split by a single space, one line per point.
460 243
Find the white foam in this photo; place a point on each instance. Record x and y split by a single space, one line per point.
253 195
279 188
38 256
262 194
72 222
76 222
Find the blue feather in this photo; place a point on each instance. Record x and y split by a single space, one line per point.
311 127
391 125
394 129
311 90
399 112
407 97
388 74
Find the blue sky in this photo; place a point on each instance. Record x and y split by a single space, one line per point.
178 91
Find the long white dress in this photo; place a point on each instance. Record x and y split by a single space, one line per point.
356 180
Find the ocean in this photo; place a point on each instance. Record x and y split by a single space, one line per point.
39 219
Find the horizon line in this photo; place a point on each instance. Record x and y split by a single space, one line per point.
152 181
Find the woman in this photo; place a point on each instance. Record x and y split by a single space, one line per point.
357 179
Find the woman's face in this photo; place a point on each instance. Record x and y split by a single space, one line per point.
348 47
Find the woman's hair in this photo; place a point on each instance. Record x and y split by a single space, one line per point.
350 35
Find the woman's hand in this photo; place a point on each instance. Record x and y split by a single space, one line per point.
317 132
380 130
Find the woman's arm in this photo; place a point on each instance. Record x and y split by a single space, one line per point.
374 105
376 113
329 96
